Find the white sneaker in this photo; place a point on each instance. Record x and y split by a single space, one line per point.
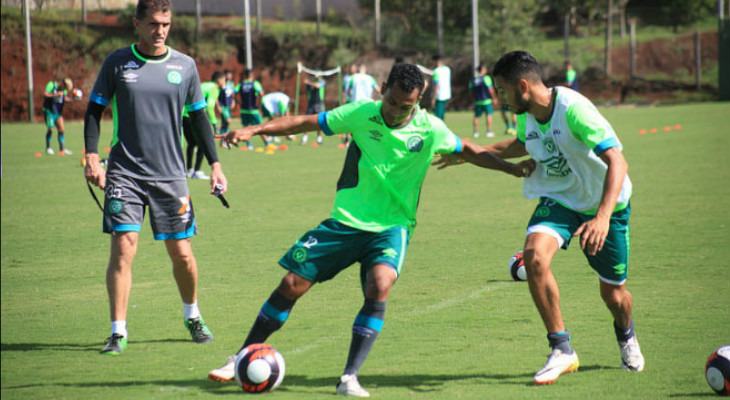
226 373
631 357
304 139
349 386
319 140
67 152
200 175
490 134
49 151
558 363
476 135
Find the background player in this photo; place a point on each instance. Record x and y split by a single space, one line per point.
441 87
150 85
227 101
211 93
315 102
54 97
374 211
250 92
483 93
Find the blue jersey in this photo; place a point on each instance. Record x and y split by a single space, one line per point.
55 103
479 86
225 98
248 91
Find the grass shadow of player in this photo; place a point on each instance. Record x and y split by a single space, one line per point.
96 346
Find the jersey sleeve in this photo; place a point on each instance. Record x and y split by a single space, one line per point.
339 119
258 89
105 85
591 128
195 99
445 141
51 87
488 81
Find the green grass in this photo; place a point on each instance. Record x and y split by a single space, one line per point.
457 326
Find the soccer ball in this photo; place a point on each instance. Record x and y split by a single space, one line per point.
717 370
77 94
259 368
517 267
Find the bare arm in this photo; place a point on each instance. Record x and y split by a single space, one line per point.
509 148
482 157
593 232
277 127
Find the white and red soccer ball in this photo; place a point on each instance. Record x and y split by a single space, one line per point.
516 266
717 370
259 368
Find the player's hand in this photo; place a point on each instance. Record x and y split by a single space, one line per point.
525 168
447 160
93 171
217 179
593 234
235 136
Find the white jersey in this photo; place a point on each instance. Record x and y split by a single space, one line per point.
442 78
566 150
277 103
361 87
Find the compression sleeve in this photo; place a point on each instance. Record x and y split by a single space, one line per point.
204 134
92 121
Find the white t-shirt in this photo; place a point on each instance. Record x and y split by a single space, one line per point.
442 78
361 87
566 150
277 103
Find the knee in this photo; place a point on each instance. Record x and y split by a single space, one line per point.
615 296
536 262
293 286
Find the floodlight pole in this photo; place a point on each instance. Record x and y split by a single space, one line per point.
258 17
475 30
319 16
440 25
609 21
83 11
247 24
29 59
377 21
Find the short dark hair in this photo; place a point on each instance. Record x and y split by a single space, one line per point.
217 75
517 65
247 73
144 7
407 76
436 57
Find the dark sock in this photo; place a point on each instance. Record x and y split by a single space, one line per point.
61 140
199 159
49 133
368 324
271 317
189 152
560 340
622 335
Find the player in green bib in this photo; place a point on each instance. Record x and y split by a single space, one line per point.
374 213
580 178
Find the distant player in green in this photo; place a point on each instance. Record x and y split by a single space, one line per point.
250 92
509 118
441 87
227 101
54 97
374 213
211 92
483 93
580 178
571 76
315 102
148 85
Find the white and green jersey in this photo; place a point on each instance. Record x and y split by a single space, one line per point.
566 150
381 180
442 78
147 98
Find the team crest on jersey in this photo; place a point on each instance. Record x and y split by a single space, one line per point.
549 145
174 77
415 144
299 255
531 136
131 65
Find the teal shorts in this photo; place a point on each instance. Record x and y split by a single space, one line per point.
51 117
324 251
612 262
480 109
250 119
439 109
225 112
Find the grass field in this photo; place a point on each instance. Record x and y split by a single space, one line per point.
457 327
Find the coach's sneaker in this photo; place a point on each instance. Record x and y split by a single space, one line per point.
199 330
490 134
558 363
115 344
349 386
631 357
226 373
476 135
200 175
49 151
66 152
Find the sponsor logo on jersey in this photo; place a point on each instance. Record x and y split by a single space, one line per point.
376 119
375 135
129 77
173 66
415 144
131 65
556 166
174 77
390 253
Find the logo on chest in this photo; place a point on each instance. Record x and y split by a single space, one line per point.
415 144
174 77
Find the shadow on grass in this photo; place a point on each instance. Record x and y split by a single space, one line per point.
76 346
704 394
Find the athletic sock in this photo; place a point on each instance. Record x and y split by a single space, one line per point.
191 311
49 133
623 335
272 316
560 340
119 327
367 326
61 140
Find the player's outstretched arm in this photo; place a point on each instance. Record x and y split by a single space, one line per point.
284 126
477 155
506 149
